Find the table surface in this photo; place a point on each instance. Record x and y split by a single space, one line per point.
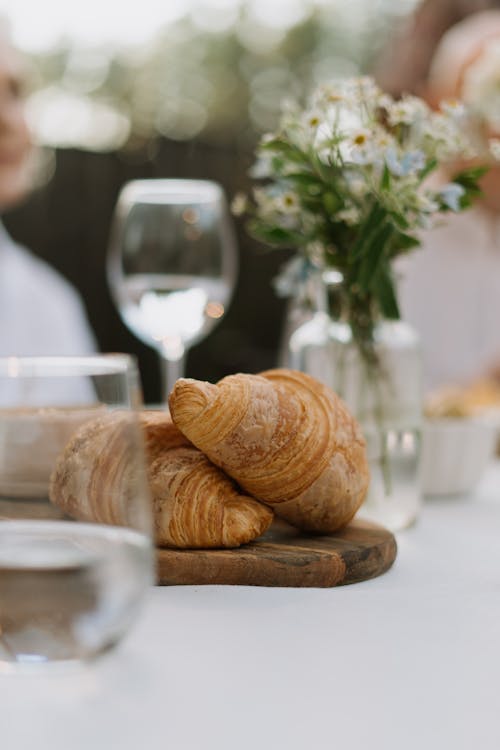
408 660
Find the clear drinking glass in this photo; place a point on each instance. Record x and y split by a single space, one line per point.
172 264
76 554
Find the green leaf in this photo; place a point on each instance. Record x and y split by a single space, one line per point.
278 163
404 241
307 180
469 197
312 203
326 172
429 167
285 148
399 220
366 232
385 293
385 182
276 235
470 176
331 202
369 265
308 188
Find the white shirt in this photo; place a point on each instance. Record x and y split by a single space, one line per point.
40 315
450 292
40 312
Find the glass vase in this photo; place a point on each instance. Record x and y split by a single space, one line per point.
385 398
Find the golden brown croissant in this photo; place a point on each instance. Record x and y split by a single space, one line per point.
40 434
194 503
284 437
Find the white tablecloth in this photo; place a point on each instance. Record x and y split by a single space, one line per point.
405 661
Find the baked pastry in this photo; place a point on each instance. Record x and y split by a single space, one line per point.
194 503
467 400
284 437
32 439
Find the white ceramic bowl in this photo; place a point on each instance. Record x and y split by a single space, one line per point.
455 453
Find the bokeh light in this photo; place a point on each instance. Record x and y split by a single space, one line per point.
107 75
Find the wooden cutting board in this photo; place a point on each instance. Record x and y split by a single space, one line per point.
286 557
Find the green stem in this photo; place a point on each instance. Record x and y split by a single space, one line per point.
360 313
373 374
362 317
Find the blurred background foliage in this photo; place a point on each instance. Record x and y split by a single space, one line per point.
188 99
218 72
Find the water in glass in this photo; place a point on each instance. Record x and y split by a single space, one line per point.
69 587
172 264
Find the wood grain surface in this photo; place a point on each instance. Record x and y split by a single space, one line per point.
286 557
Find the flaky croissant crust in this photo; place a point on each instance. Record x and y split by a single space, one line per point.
194 503
284 437
100 476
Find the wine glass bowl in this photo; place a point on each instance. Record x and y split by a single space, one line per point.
172 264
72 575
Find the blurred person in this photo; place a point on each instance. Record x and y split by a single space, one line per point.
450 287
40 312
404 64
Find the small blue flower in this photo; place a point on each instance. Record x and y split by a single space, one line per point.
410 163
292 276
450 194
262 167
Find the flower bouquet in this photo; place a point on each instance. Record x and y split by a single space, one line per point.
349 181
346 183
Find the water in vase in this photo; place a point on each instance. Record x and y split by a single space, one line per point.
387 404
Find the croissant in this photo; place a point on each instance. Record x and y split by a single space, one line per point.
194 503
284 437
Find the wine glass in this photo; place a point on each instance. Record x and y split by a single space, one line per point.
76 553
172 265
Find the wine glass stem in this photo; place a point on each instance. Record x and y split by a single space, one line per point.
172 370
